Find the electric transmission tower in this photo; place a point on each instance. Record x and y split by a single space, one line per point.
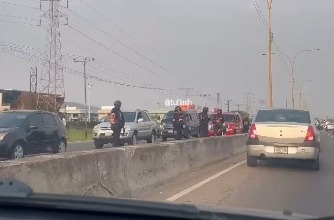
33 79
52 93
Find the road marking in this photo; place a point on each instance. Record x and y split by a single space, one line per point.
196 186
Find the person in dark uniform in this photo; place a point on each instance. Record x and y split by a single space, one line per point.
178 122
218 122
204 122
117 122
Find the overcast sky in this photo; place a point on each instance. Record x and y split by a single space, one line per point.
209 45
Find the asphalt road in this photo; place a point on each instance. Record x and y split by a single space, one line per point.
274 186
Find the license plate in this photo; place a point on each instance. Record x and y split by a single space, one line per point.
108 133
281 150
170 132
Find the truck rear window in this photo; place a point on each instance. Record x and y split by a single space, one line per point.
294 116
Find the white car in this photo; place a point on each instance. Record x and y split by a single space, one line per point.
283 134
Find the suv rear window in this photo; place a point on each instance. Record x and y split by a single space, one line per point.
12 119
168 117
295 116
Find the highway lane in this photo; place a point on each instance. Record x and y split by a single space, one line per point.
270 186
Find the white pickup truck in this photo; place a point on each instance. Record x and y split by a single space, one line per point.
138 126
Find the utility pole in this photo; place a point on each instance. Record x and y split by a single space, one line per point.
187 92
269 2
205 95
85 61
238 105
300 97
52 91
89 101
218 99
228 105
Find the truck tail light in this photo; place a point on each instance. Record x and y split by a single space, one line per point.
253 132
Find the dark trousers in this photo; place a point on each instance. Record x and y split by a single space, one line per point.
217 127
117 137
204 130
179 133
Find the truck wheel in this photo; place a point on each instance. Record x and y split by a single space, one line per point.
98 145
133 140
164 138
153 138
17 151
251 161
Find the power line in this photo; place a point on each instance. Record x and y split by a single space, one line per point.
113 51
19 17
17 22
116 70
96 78
114 24
259 12
19 5
125 45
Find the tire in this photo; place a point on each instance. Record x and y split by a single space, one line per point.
164 138
153 138
17 151
61 148
251 161
315 165
98 145
133 140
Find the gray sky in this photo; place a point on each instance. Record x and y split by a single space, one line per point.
212 46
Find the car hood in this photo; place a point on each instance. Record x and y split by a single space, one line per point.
107 124
167 123
6 130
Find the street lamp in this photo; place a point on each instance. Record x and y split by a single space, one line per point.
292 66
89 101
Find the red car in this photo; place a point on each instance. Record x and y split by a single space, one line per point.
233 123
211 126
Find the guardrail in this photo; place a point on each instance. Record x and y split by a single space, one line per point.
120 172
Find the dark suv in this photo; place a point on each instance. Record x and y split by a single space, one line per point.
191 125
28 132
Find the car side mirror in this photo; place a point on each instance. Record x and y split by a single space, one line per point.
140 120
32 127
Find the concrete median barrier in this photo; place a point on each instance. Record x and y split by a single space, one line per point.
120 172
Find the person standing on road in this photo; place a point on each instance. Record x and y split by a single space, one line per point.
219 122
178 122
204 122
117 122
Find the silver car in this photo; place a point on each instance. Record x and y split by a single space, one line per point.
138 126
283 134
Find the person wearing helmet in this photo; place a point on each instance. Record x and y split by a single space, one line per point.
219 123
178 122
204 122
117 122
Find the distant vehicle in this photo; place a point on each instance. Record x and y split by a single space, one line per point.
329 125
138 126
234 124
191 123
29 132
283 134
211 126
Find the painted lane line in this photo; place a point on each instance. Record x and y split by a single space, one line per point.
196 186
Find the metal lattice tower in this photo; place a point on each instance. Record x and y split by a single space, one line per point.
33 79
52 92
